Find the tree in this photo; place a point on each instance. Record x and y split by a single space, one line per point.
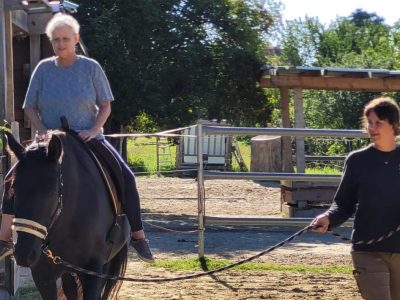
361 40
176 61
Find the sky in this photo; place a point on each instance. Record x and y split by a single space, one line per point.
328 10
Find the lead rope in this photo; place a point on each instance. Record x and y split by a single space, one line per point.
367 242
59 261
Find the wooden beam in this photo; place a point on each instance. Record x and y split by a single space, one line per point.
333 83
13 5
3 73
20 19
37 22
34 45
287 164
10 116
299 123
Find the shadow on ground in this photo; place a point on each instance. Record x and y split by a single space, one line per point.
228 241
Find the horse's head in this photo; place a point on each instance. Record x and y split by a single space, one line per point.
36 188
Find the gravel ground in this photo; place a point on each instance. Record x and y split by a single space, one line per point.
172 203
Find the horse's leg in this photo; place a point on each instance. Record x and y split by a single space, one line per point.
92 285
70 286
45 280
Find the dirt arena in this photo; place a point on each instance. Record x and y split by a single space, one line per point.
172 202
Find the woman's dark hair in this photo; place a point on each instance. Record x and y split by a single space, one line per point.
386 109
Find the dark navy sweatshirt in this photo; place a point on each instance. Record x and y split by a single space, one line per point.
370 188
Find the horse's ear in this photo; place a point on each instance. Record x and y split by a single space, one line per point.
55 148
14 146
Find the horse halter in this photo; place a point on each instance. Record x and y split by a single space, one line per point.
34 228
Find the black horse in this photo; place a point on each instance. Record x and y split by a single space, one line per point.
62 204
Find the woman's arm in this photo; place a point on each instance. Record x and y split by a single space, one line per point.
101 119
33 116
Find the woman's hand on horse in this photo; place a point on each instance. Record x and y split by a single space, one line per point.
320 223
87 135
42 135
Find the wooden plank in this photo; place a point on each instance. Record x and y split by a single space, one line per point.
9 105
13 5
20 19
34 47
288 184
332 83
37 22
287 165
294 212
3 73
299 123
296 197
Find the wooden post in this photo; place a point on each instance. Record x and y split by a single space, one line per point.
299 123
3 63
34 45
287 165
9 105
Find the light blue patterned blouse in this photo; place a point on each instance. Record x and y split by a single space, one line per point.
74 92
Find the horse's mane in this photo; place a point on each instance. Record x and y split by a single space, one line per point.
43 143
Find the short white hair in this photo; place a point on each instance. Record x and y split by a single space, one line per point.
62 20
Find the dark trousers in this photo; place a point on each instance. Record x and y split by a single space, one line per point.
130 205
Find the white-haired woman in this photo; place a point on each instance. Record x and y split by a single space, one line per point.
74 86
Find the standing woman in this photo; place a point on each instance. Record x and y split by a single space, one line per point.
370 188
74 86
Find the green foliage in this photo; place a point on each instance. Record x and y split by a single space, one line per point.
144 123
177 61
361 40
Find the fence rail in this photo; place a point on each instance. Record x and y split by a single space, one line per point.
208 130
202 175
271 176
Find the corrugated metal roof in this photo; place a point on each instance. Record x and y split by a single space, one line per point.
328 72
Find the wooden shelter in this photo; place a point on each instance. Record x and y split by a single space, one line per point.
302 199
316 78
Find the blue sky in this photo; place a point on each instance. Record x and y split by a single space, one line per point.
328 10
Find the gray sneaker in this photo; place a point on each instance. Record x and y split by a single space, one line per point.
6 249
142 250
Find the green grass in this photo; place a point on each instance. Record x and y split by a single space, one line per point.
323 170
27 292
194 264
142 155
143 158
245 151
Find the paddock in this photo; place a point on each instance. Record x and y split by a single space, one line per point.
172 202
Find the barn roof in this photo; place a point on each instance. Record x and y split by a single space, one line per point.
377 80
40 6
